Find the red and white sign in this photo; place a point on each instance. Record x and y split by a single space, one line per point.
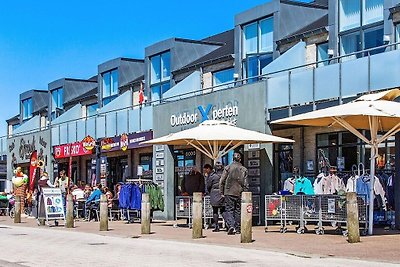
70 150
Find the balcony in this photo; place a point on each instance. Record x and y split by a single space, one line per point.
341 80
109 124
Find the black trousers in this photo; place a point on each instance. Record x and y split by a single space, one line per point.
216 211
232 211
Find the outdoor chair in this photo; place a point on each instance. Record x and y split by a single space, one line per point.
4 207
115 213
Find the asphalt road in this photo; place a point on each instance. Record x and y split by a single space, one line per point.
22 246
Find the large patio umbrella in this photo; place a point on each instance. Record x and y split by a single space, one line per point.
216 138
374 112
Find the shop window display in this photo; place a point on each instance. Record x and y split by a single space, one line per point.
185 161
284 161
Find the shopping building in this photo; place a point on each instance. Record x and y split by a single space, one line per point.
281 58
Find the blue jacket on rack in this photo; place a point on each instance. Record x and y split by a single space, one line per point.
303 186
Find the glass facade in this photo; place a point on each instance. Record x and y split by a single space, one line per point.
283 160
160 75
57 102
347 148
257 47
360 26
322 54
27 109
223 77
91 109
110 86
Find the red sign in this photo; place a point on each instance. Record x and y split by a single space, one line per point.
32 170
70 150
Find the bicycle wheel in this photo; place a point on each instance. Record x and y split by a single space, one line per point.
12 212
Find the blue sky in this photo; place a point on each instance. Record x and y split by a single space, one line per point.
41 41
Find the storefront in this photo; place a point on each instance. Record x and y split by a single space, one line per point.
20 149
243 106
120 157
317 148
67 154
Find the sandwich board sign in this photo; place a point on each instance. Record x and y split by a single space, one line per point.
53 204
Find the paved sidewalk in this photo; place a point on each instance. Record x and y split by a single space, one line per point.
384 246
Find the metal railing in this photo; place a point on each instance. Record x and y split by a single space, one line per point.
291 87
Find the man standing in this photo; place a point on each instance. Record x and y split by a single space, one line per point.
62 182
194 182
233 182
216 199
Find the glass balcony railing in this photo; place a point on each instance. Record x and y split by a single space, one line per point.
307 84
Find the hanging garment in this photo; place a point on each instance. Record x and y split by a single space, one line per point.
318 184
289 184
303 186
364 185
352 184
336 184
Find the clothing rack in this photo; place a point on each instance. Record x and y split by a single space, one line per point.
139 180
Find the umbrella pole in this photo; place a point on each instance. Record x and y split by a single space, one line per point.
374 149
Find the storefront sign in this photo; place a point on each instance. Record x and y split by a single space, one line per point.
20 149
88 142
125 141
70 150
211 112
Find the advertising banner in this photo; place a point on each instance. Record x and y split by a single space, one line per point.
53 203
32 170
125 141
70 150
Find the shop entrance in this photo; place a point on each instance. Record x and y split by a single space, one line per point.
63 166
117 170
185 160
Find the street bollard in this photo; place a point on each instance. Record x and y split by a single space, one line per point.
353 227
246 218
197 226
70 212
103 213
145 214
17 208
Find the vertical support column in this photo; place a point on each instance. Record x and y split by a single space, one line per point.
396 182
70 212
145 214
246 218
103 213
17 213
197 227
353 226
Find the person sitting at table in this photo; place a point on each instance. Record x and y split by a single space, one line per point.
93 200
109 196
87 191
77 193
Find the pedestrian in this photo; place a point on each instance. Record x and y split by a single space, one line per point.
62 182
233 182
216 198
193 182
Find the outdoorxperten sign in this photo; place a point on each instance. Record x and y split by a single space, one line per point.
229 112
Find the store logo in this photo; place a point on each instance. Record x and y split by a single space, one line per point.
89 143
124 142
210 112
204 112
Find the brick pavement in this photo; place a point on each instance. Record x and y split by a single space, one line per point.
384 246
